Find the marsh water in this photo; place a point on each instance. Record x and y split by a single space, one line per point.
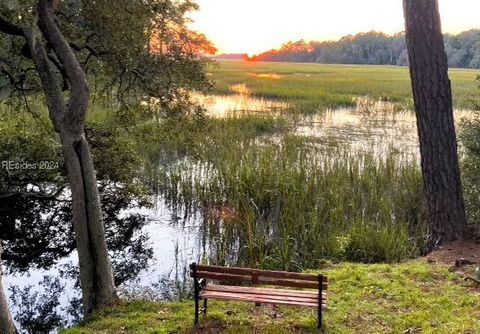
372 125
376 126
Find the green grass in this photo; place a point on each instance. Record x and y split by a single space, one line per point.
411 297
318 86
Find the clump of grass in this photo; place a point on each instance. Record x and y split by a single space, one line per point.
470 165
369 242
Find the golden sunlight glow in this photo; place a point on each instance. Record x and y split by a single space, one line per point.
172 38
253 26
273 76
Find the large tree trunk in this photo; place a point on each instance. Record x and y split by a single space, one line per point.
96 276
7 326
95 270
436 130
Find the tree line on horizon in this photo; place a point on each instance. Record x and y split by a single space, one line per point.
373 48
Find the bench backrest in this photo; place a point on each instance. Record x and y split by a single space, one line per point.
257 276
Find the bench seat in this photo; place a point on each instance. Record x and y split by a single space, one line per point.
264 296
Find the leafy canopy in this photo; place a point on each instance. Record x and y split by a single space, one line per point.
132 51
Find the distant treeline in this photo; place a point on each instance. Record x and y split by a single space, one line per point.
463 50
231 56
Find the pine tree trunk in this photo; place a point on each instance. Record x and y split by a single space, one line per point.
436 129
7 326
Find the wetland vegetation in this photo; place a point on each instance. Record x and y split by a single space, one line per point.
258 175
275 178
316 87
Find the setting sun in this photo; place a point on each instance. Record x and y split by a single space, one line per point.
254 26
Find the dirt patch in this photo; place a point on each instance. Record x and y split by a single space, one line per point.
459 252
463 258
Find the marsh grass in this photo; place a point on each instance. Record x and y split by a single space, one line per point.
315 87
273 199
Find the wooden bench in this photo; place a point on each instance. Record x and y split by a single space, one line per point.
225 276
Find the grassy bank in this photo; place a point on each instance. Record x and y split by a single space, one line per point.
319 86
412 297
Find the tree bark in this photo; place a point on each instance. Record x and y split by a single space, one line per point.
436 129
7 326
96 276
95 270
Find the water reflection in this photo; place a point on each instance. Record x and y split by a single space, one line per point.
174 239
221 106
174 245
379 132
377 126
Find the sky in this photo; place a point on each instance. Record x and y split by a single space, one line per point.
253 26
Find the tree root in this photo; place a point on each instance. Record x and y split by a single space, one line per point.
468 278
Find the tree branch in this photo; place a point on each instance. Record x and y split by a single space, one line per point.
11 28
78 103
53 91
92 52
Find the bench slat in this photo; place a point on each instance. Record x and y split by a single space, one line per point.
223 277
291 283
255 296
266 273
261 291
259 298
263 280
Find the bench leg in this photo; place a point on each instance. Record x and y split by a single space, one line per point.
196 310
196 290
320 300
205 305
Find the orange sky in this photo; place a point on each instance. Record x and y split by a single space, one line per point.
254 26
